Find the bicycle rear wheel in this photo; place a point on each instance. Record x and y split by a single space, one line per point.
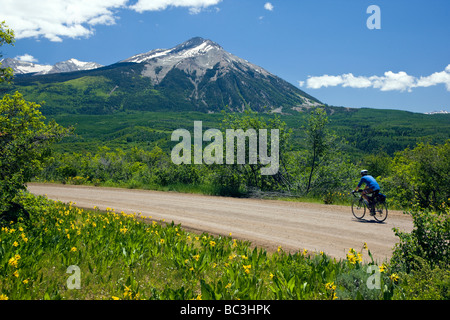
381 211
358 208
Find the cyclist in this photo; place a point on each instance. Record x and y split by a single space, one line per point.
372 186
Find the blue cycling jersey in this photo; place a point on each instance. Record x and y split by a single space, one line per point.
370 182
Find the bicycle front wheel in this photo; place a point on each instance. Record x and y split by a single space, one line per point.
381 211
358 209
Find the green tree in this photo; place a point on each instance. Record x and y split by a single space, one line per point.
24 144
249 173
422 176
319 139
24 136
378 164
6 37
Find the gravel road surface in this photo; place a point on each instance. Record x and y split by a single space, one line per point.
266 223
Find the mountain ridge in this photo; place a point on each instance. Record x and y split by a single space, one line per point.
25 67
197 75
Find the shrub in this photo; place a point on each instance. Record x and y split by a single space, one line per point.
429 240
425 283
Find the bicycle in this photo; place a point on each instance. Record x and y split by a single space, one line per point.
377 206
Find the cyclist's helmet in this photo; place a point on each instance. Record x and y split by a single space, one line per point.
364 172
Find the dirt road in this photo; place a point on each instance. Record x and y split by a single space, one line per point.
266 223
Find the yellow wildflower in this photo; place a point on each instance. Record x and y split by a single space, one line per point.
330 286
3 297
394 277
73 249
123 230
212 243
13 262
247 268
127 292
353 257
15 244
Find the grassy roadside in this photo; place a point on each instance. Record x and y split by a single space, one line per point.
123 256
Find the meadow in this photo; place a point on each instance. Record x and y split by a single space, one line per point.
65 252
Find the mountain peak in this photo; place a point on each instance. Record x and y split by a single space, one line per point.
73 65
214 76
192 47
195 42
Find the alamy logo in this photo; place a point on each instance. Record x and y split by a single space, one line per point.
214 151
74 281
373 282
374 21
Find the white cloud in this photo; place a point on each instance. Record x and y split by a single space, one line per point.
26 58
349 80
442 77
268 6
54 19
323 81
57 19
390 81
195 6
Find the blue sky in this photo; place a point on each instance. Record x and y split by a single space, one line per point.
323 47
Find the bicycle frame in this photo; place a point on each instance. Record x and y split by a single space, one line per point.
378 209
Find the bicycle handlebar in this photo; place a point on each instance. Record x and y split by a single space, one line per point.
359 190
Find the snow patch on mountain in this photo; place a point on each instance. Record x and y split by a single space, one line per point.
24 67
195 57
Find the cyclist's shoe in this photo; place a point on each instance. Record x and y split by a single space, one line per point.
372 212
